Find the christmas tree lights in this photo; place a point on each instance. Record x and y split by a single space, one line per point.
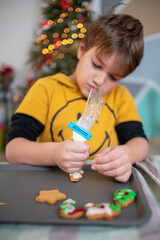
58 36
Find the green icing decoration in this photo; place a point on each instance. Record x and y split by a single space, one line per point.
98 205
63 205
63 211
67 203
123 195
70 207
116 207
120 200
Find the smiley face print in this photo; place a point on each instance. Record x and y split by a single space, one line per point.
72 111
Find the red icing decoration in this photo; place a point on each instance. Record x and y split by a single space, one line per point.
76 210
126 193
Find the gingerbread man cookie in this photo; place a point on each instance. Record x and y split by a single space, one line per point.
50 196
102 211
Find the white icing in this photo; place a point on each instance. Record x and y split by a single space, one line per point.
93 108
69 200
89 205
94 210
69 209
78 138
117 197
107 208
77 174
98 210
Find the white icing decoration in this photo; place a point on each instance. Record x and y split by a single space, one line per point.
117 197
69 209
70 200
77 174
93 108
94 210
98 210
107 208
78 138
89 205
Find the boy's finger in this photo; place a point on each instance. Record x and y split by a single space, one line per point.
102 159
79 147
124 177
106 150
111 166
115 173
110 155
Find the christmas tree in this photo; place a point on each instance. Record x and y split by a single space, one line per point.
65 25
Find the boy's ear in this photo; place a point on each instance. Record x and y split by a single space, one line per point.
81 49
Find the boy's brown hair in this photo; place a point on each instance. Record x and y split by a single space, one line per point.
119 33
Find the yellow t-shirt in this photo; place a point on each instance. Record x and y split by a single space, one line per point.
56 100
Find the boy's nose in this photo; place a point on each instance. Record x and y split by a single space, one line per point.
100 78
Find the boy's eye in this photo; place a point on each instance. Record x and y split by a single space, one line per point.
95 65
113 78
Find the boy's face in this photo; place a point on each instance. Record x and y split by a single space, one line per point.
94 71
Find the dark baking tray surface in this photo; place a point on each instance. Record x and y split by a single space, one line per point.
20 184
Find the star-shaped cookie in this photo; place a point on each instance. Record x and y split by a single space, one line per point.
50 196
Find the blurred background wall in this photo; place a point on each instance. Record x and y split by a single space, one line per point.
18 21
146 78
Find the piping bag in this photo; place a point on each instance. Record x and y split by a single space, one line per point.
81 129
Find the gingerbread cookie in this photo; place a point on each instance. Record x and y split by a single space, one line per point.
124 197
50 196
102 211
75 177
68 210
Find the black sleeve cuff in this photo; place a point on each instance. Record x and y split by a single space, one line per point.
128 130
24 126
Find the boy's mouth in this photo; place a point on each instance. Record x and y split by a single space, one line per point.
93 88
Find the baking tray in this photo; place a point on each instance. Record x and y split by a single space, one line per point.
20 184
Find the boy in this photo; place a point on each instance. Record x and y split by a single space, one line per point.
39 134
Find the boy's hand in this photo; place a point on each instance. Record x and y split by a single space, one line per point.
114 162
70 156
